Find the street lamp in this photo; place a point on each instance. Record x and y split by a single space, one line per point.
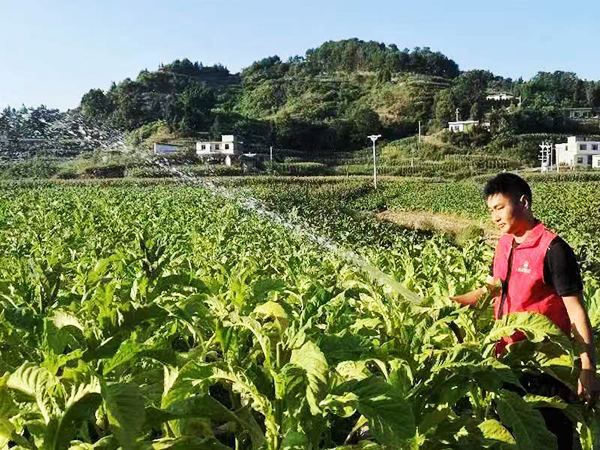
374 138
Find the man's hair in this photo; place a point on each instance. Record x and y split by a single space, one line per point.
508 184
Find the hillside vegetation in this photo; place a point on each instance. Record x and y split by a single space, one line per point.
328 101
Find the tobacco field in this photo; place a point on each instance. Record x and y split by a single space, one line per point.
246 317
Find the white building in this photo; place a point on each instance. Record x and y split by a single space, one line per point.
165 149
581 113
596 161
500 97
465 125
223 149
578 152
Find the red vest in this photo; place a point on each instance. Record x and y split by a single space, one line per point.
527 290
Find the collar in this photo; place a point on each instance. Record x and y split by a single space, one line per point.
533 238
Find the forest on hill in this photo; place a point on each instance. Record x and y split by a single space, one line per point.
328 100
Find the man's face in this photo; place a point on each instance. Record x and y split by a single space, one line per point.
507 214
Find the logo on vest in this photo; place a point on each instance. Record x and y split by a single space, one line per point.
524 268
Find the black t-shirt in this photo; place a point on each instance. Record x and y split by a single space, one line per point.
561 269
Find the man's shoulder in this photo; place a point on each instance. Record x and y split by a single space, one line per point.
560 246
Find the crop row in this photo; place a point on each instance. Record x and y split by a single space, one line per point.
172 317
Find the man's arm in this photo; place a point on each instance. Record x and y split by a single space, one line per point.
471 298
580 324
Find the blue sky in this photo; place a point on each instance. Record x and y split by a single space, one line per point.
54 51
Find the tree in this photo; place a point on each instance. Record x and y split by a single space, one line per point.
444 107
476 111
384 76
592 94
215 129
554 89
365 122
471 87
192 109
95 104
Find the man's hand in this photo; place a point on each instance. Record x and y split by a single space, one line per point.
471 298
588 387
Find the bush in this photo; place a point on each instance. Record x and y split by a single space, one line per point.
183 171
33 168
298 168
112 171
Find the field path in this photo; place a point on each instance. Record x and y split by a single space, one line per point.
440 222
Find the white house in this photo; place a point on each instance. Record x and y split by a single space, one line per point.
596 161
165 149
465 125
578 152
581 113
223 149
499 97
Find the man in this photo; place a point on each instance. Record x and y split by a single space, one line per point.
535 270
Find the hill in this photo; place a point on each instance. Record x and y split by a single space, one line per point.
328 100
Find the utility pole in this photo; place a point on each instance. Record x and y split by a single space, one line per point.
419 131
457 114
271 154
374 138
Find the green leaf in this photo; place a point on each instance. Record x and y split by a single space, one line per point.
340 405
539 401
131 349
390 416
262 287
494 431
127 351
312 360
125 406
202 406
345 347
38 383
6 431
535 326
63 319
526 423
353 370
290 384
8 407
274 311
188 443
23 319
589 434
294 440
81 406
191 379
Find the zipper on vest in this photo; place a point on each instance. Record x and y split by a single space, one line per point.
505 282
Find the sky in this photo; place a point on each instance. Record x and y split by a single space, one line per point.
54 51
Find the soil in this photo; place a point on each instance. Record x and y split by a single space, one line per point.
444 223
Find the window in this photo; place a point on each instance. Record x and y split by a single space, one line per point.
582 146
594 146
217 147
580 160
226 146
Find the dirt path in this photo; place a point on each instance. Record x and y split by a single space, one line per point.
445 223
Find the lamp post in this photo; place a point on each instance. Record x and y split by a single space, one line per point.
374 138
